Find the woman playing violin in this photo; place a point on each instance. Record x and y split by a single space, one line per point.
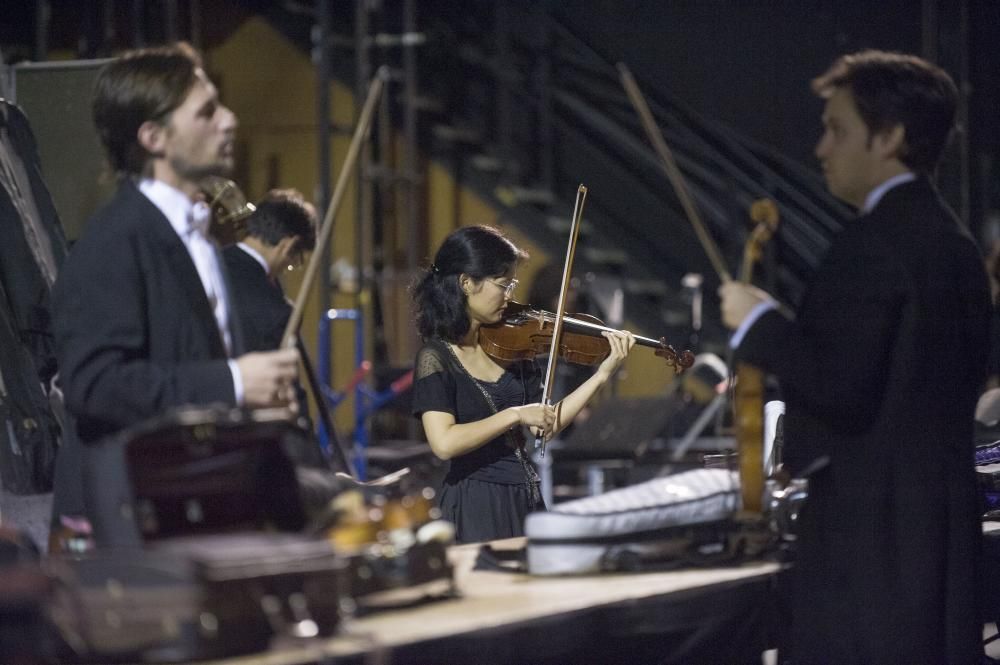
471 407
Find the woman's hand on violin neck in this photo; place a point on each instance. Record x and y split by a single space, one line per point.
621 342
538 415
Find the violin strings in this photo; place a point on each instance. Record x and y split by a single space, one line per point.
593 326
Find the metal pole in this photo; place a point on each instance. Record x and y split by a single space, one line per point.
320 56
43 17
170 19
138 36
503 73
410 127
194 12
929 30
108 32
964 90
543 74
362 215
361 211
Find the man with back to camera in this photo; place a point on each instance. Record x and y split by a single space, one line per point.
880 371
279 232
142 316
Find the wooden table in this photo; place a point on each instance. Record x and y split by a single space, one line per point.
514 618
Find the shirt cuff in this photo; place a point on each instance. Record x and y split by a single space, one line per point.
234 369
759 310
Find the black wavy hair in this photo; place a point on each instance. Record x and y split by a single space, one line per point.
894 88
477 251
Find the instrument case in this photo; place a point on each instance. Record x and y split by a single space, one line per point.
202 554
674 520
198 598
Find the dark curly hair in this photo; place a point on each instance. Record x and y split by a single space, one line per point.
477 251
894 88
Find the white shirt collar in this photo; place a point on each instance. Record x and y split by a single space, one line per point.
876 194
172 202
256 255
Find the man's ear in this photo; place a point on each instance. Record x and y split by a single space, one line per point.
892 142
285 247
152 136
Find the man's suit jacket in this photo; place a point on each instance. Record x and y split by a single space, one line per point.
880 372
134 329
264 311
135 336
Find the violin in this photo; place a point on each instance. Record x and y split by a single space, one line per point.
230 209
525 332
748 398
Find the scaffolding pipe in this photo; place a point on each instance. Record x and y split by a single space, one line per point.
410 128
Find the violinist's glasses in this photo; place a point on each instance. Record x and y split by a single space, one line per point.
507 288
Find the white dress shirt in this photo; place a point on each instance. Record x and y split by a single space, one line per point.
190 221
876 194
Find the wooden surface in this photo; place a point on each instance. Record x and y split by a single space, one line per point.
492 601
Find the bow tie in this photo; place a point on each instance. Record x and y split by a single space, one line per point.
199 218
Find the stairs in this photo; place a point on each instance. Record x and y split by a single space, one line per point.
522 111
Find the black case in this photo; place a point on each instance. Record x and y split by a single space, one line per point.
199 598
202 557
196 471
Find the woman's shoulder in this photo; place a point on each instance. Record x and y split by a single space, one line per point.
432 347
431 358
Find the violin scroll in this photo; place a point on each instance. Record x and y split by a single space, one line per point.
679 361
764 213
230 209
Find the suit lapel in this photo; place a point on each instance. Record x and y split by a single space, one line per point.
235 325
182 267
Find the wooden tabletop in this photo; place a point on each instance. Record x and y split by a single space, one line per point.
490 601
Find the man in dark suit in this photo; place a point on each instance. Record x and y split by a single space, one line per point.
880 370
143 320
279 232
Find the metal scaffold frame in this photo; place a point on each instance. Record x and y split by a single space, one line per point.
380 184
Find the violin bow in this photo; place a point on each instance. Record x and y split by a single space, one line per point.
750 379
360 132
673 173
557 326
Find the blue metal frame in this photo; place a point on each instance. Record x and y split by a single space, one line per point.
361 393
